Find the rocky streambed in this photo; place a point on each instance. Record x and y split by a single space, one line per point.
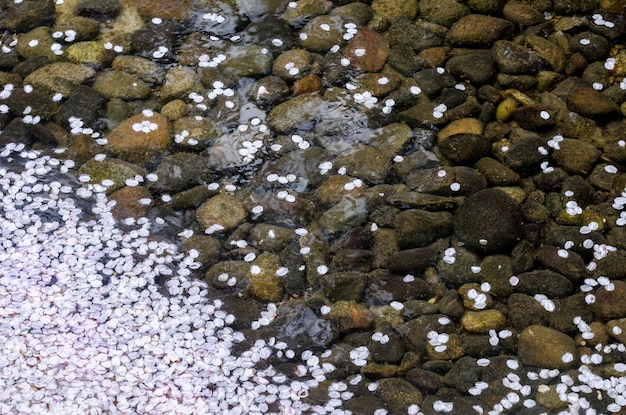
414 206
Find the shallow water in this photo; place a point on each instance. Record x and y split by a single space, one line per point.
144 313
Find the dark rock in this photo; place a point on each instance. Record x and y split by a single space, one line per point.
363 404
17 131
301 329
99 10
524 310
84 103
450 304
534 117
262 31
526 155
576 156
566 263
403 59
398 394
488 222
566 310
497 270
425 380
592 46
412 260
460 271
417 228
384 288
403 31
548 283
521 82
612 265
573 7
463 375
344 286
496 173
148 39
465 148
590 103
390 351
516 59
610 305
477 67
432 82
26 15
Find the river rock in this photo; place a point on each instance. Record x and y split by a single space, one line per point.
465 148
610 305
592 46
576 156
477 30
417 228
522 14
477 67
392 9
590 103
224 210
548 283
398 394
116 84
140 139
25 16
547 348
367 51
181 171
488 222
61 77
515 59
297 112
264 283
343 286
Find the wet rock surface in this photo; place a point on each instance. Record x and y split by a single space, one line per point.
432 192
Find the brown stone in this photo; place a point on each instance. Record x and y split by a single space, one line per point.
140 147
367 51
127 202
